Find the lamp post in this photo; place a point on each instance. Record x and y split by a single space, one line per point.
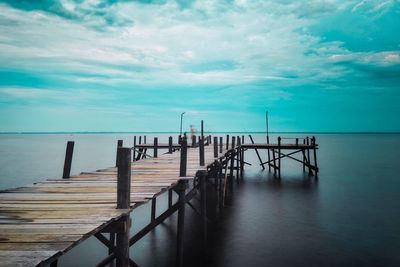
180 132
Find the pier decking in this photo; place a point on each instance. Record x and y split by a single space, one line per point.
41 222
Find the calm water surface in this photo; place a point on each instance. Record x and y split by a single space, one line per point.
350 216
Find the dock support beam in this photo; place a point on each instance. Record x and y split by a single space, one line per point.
269 156
123 202
215 147
201 151
68 159
202 175
155 152
315 156
183 163
170 144
119 144
232 161
279 157
181 189
134 148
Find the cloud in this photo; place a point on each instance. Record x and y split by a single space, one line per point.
379 59
205 56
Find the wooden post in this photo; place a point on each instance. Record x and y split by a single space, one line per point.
193 140
183 164
119 144
124 178
170 144
202 130
242 161
315 156
202 175
134 148
181 189
304 156
238 158
227 141
201 151
269 156
123 202
215 147
232 160
308 156
144 140
169 198
68 159
220 144
153 209
279 157
155 154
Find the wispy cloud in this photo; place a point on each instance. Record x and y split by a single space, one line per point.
205 56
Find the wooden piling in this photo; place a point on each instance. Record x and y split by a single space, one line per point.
238 160
308 156
313 141
193 140
181 188
170 143
202 130
232 166
202 175
279 157
274 160
220 144
201 151
155 152
304 156
170 198
134 148
269 156
227 141
123 202
124 178
153 209
68 159
183 161
119 144
215 147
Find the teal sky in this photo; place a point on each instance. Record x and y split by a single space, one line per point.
74 65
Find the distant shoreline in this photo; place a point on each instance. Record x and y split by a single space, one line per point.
217 132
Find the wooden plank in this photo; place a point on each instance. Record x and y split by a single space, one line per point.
24 258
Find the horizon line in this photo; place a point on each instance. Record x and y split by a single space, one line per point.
210 132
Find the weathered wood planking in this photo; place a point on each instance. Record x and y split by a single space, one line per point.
38 223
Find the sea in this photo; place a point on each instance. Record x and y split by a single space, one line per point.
349 216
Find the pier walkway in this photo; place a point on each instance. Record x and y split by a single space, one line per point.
41 222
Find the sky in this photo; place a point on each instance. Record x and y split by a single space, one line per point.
74 65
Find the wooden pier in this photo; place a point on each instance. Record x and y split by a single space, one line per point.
39 223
